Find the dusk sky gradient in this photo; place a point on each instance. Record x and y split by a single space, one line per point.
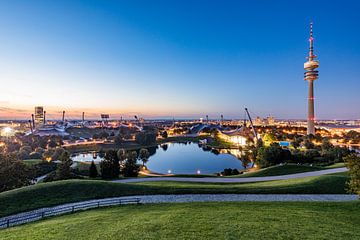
177 59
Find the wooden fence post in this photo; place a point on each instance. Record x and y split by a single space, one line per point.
8 223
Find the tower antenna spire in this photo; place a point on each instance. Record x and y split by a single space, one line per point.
311 41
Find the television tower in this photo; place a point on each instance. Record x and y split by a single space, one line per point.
310 75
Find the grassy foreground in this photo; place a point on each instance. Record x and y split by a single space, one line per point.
282 220
54 193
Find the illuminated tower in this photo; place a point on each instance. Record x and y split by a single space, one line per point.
311 74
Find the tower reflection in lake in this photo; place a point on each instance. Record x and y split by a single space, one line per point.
182 158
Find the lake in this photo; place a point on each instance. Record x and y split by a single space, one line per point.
180 158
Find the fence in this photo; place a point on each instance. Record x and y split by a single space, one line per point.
31 217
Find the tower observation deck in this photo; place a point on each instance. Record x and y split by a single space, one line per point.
310 75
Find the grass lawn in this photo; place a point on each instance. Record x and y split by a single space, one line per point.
287 169
250 220
280 170
336 165
31 162
53 193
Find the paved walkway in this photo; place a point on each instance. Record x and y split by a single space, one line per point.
183 198
234 180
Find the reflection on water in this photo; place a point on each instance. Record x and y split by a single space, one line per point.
182 158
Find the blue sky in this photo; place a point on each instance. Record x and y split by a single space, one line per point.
178 58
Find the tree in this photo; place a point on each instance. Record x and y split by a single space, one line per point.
131 168
58 152
145 137
13 173
110 167
51 143
245 159
296 142
22 154
121 154
164 134
93 173
259 143
104 135
352 162
144 155
119 139
326 145
106 169
64 169
272 155
269 138
308 143
47 155
39 150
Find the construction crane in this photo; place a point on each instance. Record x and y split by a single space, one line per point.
251 123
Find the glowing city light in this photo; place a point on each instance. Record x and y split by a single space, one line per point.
7 131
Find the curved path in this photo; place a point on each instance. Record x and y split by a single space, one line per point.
38 214
234 180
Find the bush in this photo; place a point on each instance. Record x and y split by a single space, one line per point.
229 172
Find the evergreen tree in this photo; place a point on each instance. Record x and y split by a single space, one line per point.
64 169
93 173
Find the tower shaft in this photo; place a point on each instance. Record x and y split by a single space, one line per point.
311 110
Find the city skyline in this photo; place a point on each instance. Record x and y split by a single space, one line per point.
162 61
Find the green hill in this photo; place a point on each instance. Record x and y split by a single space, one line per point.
54 193
251 220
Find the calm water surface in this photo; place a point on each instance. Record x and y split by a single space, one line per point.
179 158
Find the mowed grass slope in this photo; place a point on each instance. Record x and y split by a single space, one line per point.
280 170
54 193
287 169
281 220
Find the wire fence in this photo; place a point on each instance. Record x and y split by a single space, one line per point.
34 216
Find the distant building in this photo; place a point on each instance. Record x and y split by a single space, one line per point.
240 136
39 115
270 120
258 121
